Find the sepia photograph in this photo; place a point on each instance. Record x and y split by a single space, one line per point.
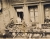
24 19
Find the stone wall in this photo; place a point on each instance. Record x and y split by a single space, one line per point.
6 15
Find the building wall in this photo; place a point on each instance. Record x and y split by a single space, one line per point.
6 15
26 3
9 13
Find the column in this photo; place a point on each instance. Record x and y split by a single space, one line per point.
41 13
26 14
13 13
3 16
5 9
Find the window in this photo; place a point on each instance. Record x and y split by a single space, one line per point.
47 13
33 13
19 11
36 14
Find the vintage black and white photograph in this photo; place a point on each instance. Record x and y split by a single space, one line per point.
24 19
